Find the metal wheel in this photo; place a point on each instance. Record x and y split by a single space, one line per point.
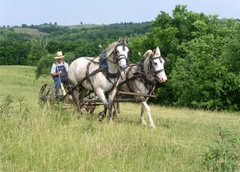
46 96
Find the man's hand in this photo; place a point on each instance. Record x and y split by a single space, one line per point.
60 73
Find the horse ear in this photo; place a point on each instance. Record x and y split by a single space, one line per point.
158 51
127 40
120 40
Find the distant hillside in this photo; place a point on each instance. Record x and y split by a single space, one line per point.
85 31
48 28
28 31
80 26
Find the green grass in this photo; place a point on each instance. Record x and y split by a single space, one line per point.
80 26
27 30
41 140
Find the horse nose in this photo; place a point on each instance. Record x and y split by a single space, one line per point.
163 79
123 67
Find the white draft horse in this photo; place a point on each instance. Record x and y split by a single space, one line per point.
142 78
84 75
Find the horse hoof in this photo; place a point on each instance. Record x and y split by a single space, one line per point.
101 116
119 119
152 126
110 121
144 123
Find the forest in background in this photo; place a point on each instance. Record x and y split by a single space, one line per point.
203 53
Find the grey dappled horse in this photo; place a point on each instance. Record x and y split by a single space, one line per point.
102 82
144 76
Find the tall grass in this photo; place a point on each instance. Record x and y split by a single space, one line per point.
56 140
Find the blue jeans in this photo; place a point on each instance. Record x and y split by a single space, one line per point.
58 83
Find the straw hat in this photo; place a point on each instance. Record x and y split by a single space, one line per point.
59 55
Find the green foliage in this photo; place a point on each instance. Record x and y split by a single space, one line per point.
203 59
69 57
44 65
14 48
224 155
201 77
23 107
6 105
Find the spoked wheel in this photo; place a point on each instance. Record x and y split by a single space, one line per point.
46 96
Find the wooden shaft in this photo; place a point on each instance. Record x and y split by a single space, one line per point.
136 94
114 100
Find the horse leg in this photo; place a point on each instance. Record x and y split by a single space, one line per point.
147 108
101 95
111 96
117 108
116 111
81 96
76 99
142 115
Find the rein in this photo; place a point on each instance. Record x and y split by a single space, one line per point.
115 52
103 68
150 84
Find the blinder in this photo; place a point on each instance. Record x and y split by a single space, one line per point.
130 53
151 64
121 55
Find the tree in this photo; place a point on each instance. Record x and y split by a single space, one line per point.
7 55
38 49
44 65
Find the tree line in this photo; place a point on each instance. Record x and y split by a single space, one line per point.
203 54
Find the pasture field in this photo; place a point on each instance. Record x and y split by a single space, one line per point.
80 26
27 30
32 139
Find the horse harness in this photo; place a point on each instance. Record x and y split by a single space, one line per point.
141 74
103 68
151 68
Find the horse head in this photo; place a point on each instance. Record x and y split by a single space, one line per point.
156 65
121 52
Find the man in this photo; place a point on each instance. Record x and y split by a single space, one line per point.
59 71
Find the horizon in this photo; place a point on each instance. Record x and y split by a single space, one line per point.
84 24
73 12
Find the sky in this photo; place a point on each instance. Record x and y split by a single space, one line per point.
73 12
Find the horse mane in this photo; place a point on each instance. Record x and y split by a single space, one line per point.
111 48
147 54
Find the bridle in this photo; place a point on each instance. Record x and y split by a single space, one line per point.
150 66
120 56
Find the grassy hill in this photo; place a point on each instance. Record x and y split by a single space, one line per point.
80 26
27 30
33 31
56 140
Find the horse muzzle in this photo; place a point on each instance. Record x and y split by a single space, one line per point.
122 63
162 78
123 67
